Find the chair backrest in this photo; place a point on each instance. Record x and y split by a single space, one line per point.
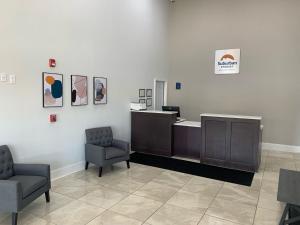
6 163
101 136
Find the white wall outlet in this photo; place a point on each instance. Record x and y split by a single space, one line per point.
3 77
12 79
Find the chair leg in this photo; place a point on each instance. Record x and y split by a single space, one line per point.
47 195
100 171
86 165
14 218
128 165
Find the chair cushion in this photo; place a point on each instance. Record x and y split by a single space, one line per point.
6 163
30 183
112 152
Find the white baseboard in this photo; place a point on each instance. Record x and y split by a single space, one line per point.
281 148
67 170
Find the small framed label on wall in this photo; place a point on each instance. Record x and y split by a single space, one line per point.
227 61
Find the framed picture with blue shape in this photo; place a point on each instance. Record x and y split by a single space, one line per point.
52 90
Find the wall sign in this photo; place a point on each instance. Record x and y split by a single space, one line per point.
227 61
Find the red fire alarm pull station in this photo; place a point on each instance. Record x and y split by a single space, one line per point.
52 118
52 63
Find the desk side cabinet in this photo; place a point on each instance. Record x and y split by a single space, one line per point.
231 142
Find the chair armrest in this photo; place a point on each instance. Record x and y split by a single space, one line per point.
10 195
42 170
94 153
121 144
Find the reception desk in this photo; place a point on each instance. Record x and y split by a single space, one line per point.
151 132
229 141
187 139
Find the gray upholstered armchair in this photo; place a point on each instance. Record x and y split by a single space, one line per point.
102 150
20 184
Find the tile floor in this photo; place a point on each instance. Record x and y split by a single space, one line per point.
152 196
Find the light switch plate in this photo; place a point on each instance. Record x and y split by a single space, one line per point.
3 77
12 79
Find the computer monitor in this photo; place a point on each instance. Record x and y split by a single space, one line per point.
172 108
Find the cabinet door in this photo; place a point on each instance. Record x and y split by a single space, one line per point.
214 143
243 142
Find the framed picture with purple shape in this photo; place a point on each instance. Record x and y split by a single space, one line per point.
52 90
100 90
79 93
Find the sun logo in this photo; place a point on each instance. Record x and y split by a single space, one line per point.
227 56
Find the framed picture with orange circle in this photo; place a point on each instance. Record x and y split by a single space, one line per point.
52 90
100 90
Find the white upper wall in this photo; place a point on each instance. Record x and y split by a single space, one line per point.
124 41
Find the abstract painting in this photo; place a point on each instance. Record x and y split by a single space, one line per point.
52 90
79 94
100 90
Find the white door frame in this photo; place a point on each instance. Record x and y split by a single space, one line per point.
165 92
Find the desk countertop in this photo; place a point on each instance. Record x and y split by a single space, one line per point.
232 116
154 111
188 124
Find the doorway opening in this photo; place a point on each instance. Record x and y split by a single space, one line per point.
160 93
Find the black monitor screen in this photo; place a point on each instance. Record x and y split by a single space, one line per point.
172 109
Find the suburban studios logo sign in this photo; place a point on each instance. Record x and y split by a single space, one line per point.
227 61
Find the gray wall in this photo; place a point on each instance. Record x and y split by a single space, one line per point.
268 34
124 41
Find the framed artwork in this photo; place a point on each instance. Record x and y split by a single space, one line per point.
100 90
149 93
142 93
79 94
149 102
142 100
52 90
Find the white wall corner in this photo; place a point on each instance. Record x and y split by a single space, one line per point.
67 170
280 148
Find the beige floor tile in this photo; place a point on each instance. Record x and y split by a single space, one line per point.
40 208
143 174
207 189
174 179
231 211
267 217
73 182
275 164
125 184
157 191
192 201
282 155
269 186
3 216
239 194
104 197
256 183
75 192
112 218
174 215
204 180
137 207
27 219
268 200
209 220
75 213
271 176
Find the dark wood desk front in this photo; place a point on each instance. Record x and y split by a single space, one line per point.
151 132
